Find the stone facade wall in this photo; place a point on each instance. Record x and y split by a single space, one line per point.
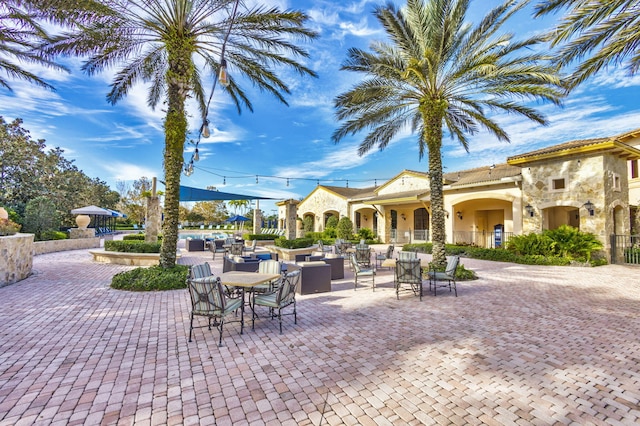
587 179
42 247
16 258
405 182
320 202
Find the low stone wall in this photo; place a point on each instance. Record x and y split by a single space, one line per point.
16 258
130 259
42 247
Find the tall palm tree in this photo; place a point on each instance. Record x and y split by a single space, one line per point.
20 33
438 71
236 204
165 43
606 29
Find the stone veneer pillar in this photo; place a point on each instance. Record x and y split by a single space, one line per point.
152 224
16 258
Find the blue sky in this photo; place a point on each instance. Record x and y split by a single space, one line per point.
293 144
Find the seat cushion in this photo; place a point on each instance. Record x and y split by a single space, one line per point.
267 299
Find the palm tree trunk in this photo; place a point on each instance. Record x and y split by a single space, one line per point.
175 129
433 114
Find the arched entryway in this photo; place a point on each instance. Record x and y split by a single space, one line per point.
556 216
421 224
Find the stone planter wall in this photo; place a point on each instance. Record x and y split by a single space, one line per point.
16 258
42 247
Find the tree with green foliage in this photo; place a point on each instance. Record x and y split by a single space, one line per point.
20 34
160 42
307 224
595 34
27 171
344 229
439 71
40 216
238 204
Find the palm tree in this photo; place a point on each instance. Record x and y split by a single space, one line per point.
439 71
162 42
236 204
20 33
608 29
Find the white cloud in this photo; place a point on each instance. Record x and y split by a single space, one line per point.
128 171
342 158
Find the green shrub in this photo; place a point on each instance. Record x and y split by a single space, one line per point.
153 278
564 241
132 246
293 244
344 230
137 237
332 222
54 235
329 233
8 227
307 224
366 234
315 236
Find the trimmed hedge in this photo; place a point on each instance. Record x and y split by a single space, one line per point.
132 246
137 237
293 244
260 237
153 278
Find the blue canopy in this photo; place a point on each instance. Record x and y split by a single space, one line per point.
237 218
196 194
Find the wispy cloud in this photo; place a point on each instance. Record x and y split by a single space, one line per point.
128 171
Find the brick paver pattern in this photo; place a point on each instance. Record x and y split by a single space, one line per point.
521 345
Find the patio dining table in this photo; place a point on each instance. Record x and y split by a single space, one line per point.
391 263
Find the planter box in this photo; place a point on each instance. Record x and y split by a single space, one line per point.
290 254
16 258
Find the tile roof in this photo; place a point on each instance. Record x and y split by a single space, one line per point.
482 174
351 192
561 147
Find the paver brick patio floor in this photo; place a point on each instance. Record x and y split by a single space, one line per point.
521 345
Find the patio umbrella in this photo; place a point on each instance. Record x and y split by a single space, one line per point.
237 218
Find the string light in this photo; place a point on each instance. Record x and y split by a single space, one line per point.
287 181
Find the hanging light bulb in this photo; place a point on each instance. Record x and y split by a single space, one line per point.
223 76
224 180
287 181
205 129
196 155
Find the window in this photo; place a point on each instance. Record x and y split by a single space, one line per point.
634 169
616 182
557 184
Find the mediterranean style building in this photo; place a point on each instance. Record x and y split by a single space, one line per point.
591 184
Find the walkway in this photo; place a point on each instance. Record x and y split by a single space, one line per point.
521 345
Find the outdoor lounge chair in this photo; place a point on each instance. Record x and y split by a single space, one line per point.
448 276
361 273
208 299
283 297
408 272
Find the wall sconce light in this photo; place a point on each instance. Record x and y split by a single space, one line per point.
446 213
529 209
403 216
459 214
365 217
590 207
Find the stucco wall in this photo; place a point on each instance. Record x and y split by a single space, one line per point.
16 258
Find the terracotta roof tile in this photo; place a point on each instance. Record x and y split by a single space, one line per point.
482 174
